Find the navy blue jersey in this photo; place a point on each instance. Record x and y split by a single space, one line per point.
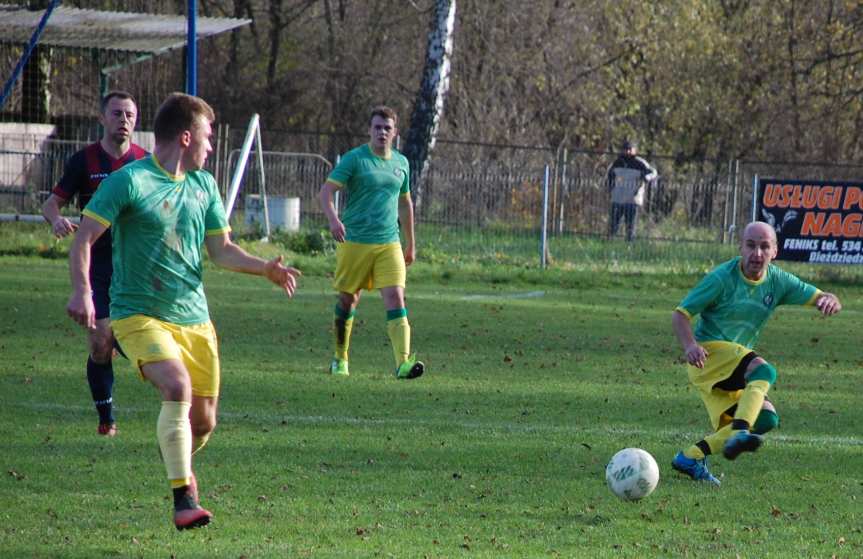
82 175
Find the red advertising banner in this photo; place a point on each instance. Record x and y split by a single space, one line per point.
820 222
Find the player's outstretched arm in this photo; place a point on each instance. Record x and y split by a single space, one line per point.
228 255
828 304
695 353
281 275
80 307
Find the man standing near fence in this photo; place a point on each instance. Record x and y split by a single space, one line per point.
369 255
734 302
82 175
163 208
627 178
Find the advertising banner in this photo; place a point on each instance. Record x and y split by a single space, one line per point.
820 222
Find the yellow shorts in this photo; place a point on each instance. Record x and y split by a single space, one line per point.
722 359
145 339
368 266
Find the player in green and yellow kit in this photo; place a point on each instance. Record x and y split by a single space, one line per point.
161 209
376 179
734 302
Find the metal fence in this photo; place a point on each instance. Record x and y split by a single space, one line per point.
556 215
530 208
29 167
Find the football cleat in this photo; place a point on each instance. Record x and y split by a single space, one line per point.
189 518
107 429
188 513
741 441
410 368
339 367
696 469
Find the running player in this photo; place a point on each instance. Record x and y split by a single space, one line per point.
162 209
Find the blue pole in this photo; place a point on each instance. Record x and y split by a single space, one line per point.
7 89
191 48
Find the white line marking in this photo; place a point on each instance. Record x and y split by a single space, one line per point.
527 295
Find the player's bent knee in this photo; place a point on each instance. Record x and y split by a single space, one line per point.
765 372
767 420
102 350
203 427
101 356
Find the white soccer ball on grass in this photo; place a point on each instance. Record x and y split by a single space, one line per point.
632 474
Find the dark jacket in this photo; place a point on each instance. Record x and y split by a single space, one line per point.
627 177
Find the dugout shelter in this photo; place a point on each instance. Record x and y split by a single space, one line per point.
50 111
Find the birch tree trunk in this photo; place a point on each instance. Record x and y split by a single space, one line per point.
429 105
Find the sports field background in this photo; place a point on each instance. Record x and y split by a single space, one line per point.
534 381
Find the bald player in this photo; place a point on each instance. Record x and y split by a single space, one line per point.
734 302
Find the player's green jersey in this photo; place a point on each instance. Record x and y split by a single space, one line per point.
373 186
734 308
159 222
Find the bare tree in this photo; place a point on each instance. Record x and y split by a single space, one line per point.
429 105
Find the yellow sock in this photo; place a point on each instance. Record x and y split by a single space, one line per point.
199 442
717 439
694 452
399 331
749 405
174 432
343 324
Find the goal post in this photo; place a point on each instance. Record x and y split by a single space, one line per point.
253 136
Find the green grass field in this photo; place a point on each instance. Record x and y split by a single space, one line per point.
499 451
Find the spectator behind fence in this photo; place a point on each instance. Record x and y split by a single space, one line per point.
627 178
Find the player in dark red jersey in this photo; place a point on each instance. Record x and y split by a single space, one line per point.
82 175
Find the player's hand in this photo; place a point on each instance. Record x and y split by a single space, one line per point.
63 227
696 355
337 228
828 304
80 308
410 255
281 275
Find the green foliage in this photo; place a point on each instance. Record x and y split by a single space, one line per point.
498 451
306 242
31 239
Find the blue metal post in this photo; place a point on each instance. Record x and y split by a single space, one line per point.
7 89
191 48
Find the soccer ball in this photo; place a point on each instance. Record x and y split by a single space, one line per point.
632 474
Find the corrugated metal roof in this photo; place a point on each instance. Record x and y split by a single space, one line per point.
124 31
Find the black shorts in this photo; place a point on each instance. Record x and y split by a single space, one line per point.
101 270
737 380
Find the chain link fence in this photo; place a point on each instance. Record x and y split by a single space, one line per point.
475 202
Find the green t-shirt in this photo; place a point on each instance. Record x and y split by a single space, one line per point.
373 186
734 308
158 223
